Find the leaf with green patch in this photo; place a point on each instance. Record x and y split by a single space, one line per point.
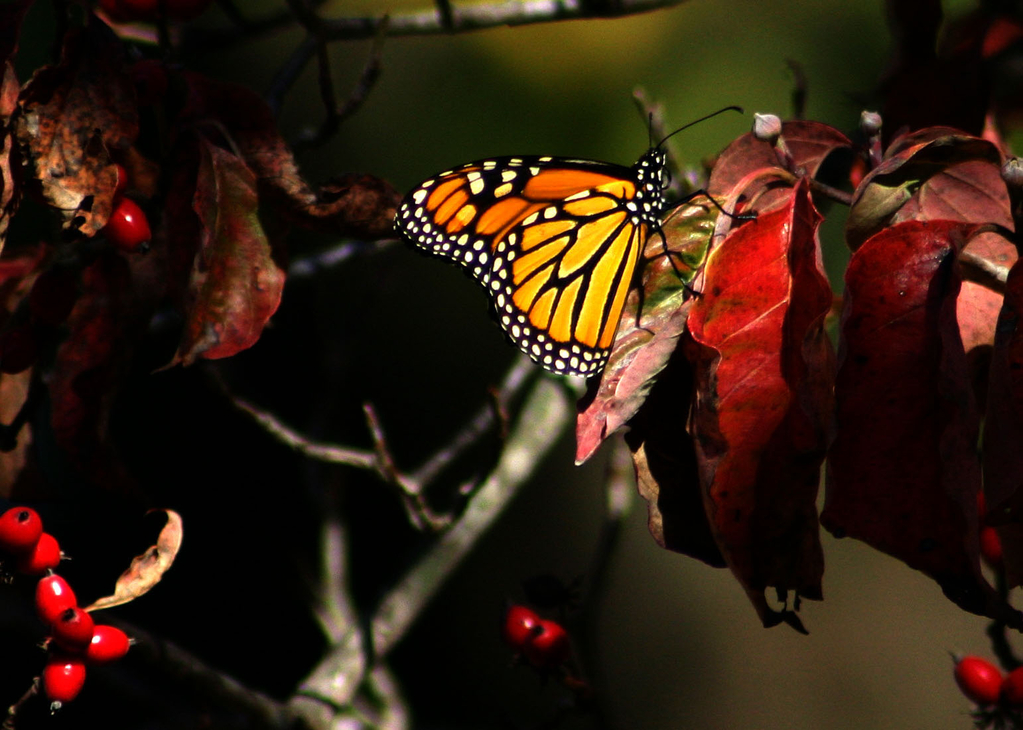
652 321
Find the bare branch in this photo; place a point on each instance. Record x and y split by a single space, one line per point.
839 196
483 421
314 263
289 72
546 413
330 453
470 17
206 683
12 711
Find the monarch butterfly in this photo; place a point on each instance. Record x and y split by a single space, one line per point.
554 241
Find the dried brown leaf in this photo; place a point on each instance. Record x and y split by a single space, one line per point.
147 569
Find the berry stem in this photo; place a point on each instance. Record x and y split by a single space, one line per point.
13 710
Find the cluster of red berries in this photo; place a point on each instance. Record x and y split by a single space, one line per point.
75 639
542 642
148 11
127 228
984 684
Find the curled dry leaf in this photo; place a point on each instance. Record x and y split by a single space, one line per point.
147 569
357 205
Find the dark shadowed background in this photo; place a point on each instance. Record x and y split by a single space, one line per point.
678 644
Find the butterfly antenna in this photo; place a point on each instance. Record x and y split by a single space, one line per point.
702 119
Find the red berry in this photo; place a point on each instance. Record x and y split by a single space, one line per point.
44 556
20 530
53 597
519 624
547 646
991 546
979 679
1012 688
128 227
73 629
63 678
108 644
53 295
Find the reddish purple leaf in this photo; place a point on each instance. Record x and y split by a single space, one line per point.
903 472
235 283
763 366
927 174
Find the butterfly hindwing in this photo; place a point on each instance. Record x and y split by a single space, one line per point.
555 243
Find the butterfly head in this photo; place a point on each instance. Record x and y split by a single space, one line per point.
652 177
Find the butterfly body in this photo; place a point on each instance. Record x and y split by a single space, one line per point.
555 243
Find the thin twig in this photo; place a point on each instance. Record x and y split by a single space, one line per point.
619 496
516 377
335 113
469 17
839 196
289 72
411 487
207 683
328 258
330 453
545 415
799 85
410 490
13 710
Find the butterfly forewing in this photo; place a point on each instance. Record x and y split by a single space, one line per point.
555 243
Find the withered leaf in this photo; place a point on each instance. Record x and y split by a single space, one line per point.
147 569
71 116
235 283
357 205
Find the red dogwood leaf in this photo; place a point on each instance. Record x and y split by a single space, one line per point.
903 472
652 321
235 283
763 366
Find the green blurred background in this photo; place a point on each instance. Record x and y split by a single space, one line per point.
679 645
